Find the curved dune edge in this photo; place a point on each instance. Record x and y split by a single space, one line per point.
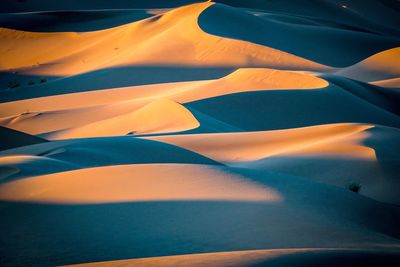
381 66
241 80
160 116
11 139
343 140
389 83
122 105
248 258
139 182
138 43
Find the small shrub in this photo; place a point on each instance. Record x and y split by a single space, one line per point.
43 80
355 187
31 83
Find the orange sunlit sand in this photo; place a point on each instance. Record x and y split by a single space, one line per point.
199 133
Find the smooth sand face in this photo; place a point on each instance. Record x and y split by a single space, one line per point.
343 140
160 116
140 182
184 43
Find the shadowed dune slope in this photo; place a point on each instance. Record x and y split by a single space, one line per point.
67 21
280 109
73 154
40 5
148 229
11 138
317 43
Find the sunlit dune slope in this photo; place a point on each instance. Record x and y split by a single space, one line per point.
247 79
138 43
344 140
147 182
97 113
273 258
395 83
336 154
377 68
160 116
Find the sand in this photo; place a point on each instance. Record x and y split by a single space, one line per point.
228 133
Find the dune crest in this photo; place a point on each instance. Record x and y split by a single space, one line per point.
160 116
120 111
342 140
138 43
241 80
377 68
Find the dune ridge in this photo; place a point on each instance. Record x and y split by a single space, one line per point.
120 105
72 53
219 133
337 139
377 68
160 116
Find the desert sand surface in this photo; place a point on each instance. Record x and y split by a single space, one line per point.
199 133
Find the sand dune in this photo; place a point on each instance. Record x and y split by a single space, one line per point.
227 133
121 105
143 229
395 82
129 182
93 152
336 154
160 116
382 66
11 138
71 53
238 81
277 257
343 140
